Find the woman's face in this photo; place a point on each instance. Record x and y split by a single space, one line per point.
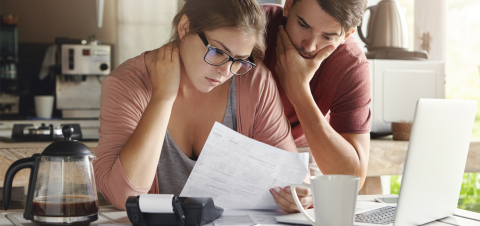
204 76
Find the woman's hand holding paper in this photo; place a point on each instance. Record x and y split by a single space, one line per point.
284 199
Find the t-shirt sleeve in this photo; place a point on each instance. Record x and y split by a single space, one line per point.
270 124
119 116
350 110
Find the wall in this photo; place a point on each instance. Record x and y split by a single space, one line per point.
43 21
143 25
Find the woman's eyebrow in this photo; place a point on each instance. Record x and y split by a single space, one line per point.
228 50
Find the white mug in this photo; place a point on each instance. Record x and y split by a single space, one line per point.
44 106
334 199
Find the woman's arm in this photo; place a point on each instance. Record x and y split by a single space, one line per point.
128 126
140 155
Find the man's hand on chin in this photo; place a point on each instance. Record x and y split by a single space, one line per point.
293 70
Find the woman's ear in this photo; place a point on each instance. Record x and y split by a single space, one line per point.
183 26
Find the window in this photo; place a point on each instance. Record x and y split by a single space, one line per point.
463 77
463 54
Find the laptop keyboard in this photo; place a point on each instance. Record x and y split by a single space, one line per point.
384 215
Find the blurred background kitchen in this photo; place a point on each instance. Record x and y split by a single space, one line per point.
42 43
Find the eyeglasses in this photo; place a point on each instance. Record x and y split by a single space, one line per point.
217 57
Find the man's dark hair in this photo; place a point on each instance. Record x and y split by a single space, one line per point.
348 13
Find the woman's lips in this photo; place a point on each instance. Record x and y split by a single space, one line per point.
213 82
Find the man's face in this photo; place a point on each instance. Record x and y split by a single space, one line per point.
311 29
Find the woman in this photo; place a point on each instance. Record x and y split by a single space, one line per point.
158 108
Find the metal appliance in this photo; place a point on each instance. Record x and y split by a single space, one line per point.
387 27
61 189
9 98
387 33
79 78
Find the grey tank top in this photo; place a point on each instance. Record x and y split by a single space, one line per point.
174 167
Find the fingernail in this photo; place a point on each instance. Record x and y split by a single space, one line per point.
271 191
277 190
331 48
287 189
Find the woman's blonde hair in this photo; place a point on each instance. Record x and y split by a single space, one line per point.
245 16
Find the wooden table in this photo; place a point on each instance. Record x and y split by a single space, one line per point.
113 216
387 157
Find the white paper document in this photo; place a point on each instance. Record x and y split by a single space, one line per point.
237 171
248 218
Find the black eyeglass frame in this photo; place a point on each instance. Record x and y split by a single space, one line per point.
230 58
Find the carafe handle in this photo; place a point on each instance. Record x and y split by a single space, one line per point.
31 163
359 27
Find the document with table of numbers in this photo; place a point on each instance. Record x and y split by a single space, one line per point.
237 171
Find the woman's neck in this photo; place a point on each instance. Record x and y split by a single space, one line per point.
186 88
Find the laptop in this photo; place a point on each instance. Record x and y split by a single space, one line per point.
434 167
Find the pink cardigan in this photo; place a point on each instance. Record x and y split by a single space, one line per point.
126 93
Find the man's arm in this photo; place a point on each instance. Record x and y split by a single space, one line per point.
334 153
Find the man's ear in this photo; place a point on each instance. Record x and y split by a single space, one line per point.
183 26
287 7
352 30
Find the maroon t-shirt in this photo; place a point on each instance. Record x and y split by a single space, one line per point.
340 87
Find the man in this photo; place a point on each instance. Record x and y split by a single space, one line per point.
323 79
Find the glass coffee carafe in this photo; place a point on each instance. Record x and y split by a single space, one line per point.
62 188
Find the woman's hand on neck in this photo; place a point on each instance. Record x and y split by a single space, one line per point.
164 68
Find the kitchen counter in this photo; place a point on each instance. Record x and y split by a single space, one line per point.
8 124
89 126
36 145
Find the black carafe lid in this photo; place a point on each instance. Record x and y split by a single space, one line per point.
67 147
